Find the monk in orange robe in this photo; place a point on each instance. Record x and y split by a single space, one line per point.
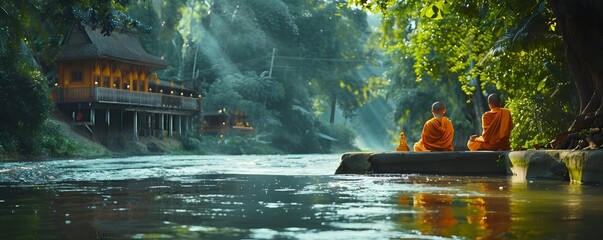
497 125
402 147
437 132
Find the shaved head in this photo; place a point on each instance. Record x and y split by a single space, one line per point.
438 107
494 100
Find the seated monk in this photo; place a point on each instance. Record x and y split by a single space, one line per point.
402 147
497 125
437 132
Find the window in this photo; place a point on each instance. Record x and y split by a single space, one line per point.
76 77
106 82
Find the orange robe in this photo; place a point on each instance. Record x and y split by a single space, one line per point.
437 136
402 147
497 125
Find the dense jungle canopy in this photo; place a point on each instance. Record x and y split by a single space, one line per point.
290 64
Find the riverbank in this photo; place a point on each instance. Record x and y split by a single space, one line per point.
59 140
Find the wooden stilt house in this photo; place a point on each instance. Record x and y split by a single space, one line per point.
107 84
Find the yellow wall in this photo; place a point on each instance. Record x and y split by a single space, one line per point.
94 71
65 74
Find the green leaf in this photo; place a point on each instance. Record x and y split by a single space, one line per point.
542 84
434 11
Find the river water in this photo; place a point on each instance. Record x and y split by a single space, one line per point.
280 197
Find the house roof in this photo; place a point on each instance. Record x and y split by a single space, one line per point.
122 45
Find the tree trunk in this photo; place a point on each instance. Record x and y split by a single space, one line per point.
479 107
581 24
333 106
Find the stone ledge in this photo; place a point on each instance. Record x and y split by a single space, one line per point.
354 163
537 164
577 166
445 163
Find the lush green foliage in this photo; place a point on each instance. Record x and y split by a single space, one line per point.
509 47
457 54
227 145
217 44
22 116
249 93
25 129
54 143
345 137
224 44
30 33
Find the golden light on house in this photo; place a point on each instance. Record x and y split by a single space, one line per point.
86 78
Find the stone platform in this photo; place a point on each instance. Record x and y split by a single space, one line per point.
576 166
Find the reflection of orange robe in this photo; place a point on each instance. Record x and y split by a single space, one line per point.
491 212
435 215
402 147
497 125
437 136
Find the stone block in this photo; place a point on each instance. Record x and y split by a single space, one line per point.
584 167
537 164
445 163
354 163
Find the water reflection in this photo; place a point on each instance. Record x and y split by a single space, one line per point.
296 204
435 216
491 213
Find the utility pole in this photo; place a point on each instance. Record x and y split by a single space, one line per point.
272 62
194 74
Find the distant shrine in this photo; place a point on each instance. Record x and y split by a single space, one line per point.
107 85
222 123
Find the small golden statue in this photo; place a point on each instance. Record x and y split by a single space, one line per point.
403 147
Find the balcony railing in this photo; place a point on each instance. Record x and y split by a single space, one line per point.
119 96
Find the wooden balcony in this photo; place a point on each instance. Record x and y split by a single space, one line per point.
126 97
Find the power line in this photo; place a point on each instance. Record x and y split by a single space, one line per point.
321 59
237 63
290 58
304 69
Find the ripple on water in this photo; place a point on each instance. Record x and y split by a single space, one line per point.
278 197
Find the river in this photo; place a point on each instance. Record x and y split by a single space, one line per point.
280 197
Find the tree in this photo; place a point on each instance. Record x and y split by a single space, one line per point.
24 94
250 93
579 22
223 44
509 47
30 33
